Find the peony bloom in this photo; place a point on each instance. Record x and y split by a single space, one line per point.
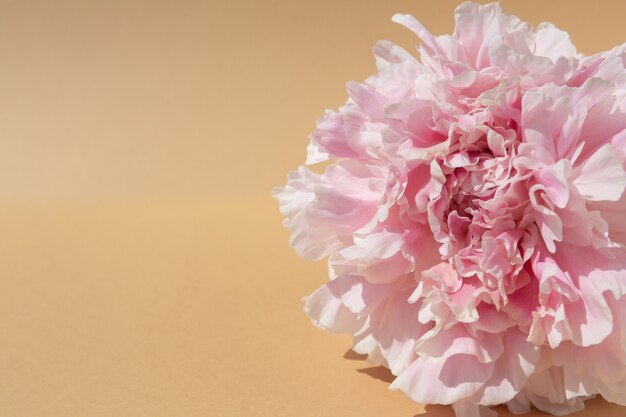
474 216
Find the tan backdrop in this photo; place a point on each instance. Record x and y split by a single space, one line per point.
144 269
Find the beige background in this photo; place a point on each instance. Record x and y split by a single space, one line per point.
144 269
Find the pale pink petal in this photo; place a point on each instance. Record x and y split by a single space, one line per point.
602 176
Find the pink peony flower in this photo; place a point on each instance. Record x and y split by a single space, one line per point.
475 217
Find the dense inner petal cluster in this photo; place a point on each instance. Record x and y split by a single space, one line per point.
473 216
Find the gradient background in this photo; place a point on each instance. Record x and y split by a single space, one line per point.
144 269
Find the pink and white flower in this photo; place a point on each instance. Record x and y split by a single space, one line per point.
475 217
